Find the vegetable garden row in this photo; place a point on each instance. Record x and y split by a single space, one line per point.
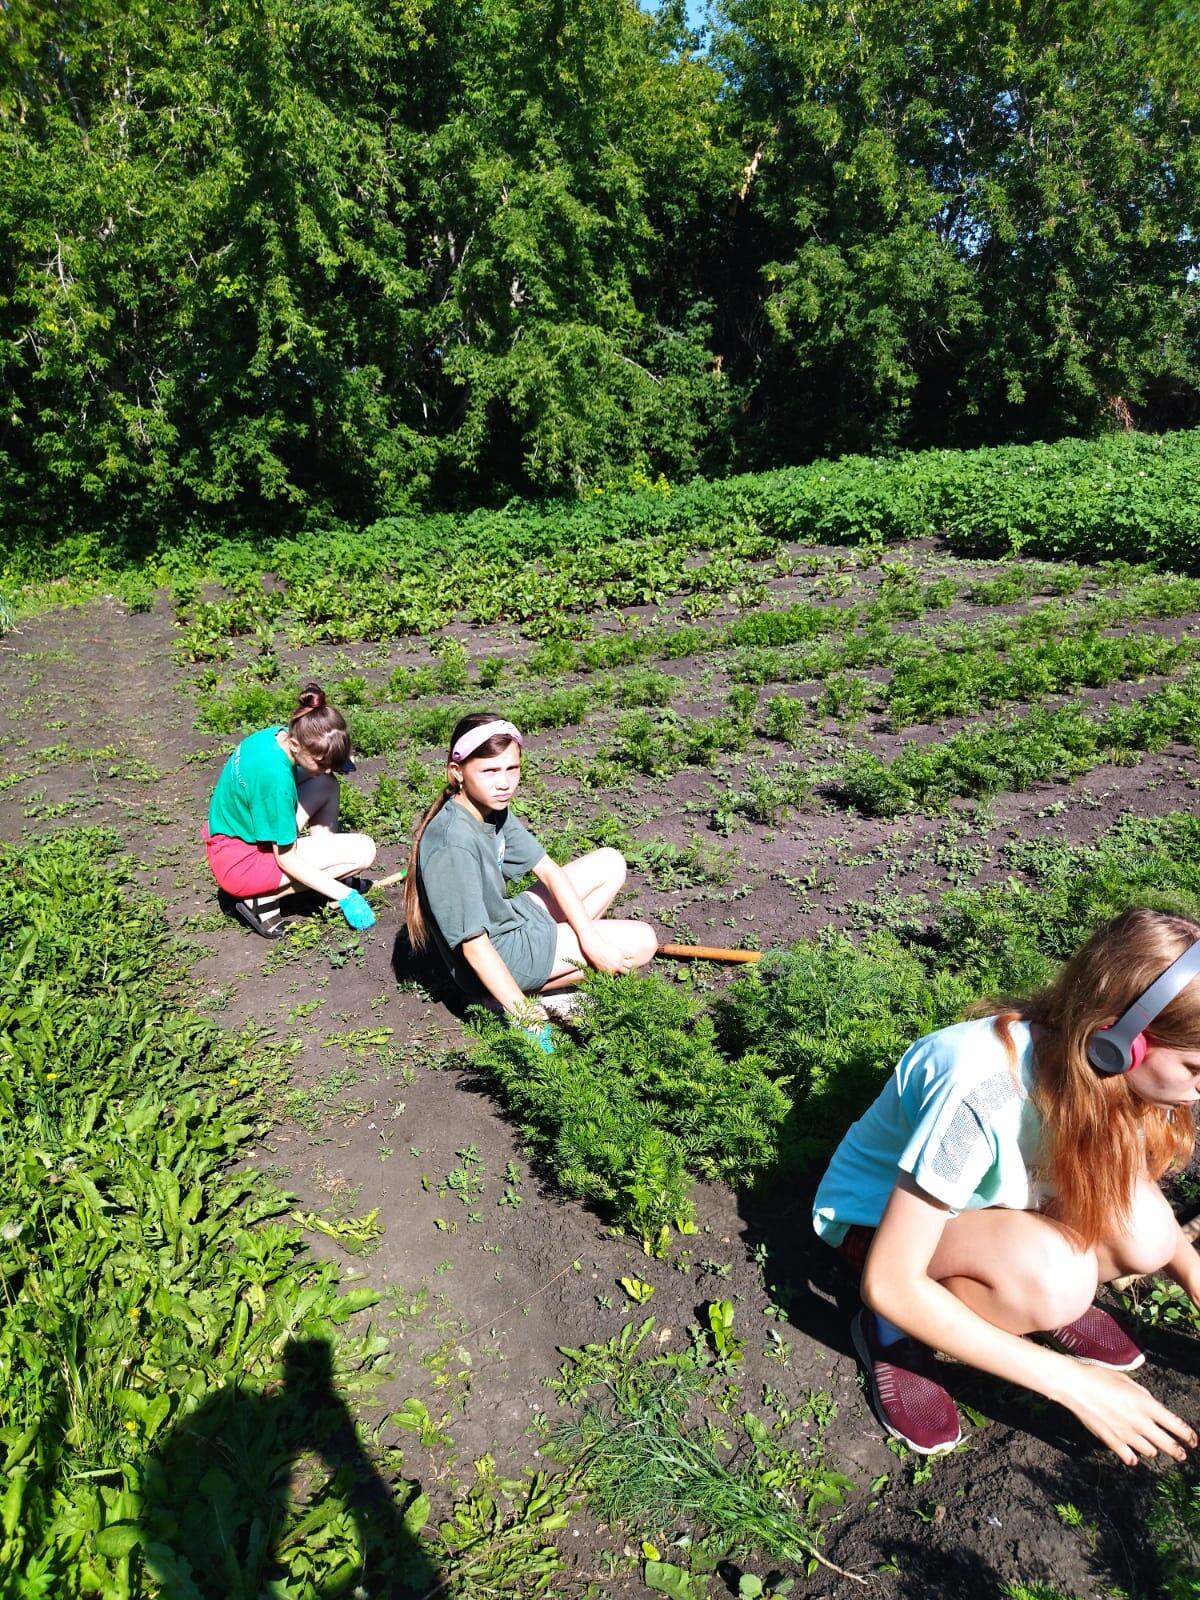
753 714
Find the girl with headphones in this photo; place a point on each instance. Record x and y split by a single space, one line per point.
1008 1169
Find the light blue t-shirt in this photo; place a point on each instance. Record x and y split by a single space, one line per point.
956 1115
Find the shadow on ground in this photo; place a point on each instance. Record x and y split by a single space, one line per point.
219 1518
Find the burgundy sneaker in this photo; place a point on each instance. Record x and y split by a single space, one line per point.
908 1399
1100 1341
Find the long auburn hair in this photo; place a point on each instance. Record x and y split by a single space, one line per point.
1098 1134
320 729
414 915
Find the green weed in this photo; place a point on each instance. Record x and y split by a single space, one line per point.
668 866
636 1102
771 793
1019 752
662 744
149 1297
1174 1525
954 682
1036 1591
834 1018
1015 584
645 1462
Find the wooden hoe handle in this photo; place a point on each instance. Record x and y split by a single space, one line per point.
707 952
681 952
392 877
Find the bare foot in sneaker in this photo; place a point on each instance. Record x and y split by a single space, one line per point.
1100 1341
264 915
565 1007
908 1399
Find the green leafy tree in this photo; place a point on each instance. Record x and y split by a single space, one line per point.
206 275
582 148
975 219
268 261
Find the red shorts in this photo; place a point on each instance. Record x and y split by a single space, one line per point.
242 870
853 1248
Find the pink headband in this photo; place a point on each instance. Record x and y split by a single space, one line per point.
486 730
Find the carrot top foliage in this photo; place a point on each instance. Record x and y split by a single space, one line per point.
655 1093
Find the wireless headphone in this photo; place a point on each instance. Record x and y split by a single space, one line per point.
1123 1046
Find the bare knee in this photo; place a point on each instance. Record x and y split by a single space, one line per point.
359 846
1150 1235
344 854
1059 1282
612 867
643 943
318 794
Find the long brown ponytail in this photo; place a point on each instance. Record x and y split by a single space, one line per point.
414 915
319 729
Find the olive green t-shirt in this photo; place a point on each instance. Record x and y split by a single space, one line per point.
255 798
462 865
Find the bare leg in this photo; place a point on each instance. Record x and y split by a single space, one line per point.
340 854
1147 1242
637 940
319 796
1025 1272
1017 1269
597 879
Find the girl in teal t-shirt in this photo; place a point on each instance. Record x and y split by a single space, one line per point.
1008 1169
272 821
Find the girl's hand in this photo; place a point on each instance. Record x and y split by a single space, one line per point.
1124 1416
535 1024
603 955
356 910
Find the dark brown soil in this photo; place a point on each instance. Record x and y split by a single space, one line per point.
360 1126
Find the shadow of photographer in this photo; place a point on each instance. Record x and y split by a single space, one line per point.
220 1519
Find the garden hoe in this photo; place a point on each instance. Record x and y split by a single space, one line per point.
707 952
392 877
679 952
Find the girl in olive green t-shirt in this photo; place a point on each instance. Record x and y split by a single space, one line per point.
469 847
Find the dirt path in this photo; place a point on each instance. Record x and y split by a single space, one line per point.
485 1277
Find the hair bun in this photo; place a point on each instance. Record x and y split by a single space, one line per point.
312 698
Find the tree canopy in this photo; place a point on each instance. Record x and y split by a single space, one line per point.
268 263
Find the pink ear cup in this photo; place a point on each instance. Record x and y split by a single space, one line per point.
1137 1051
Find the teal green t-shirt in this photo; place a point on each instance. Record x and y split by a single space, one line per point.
957 1116
255 798
462 865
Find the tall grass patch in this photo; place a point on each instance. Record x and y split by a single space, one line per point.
141 1278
